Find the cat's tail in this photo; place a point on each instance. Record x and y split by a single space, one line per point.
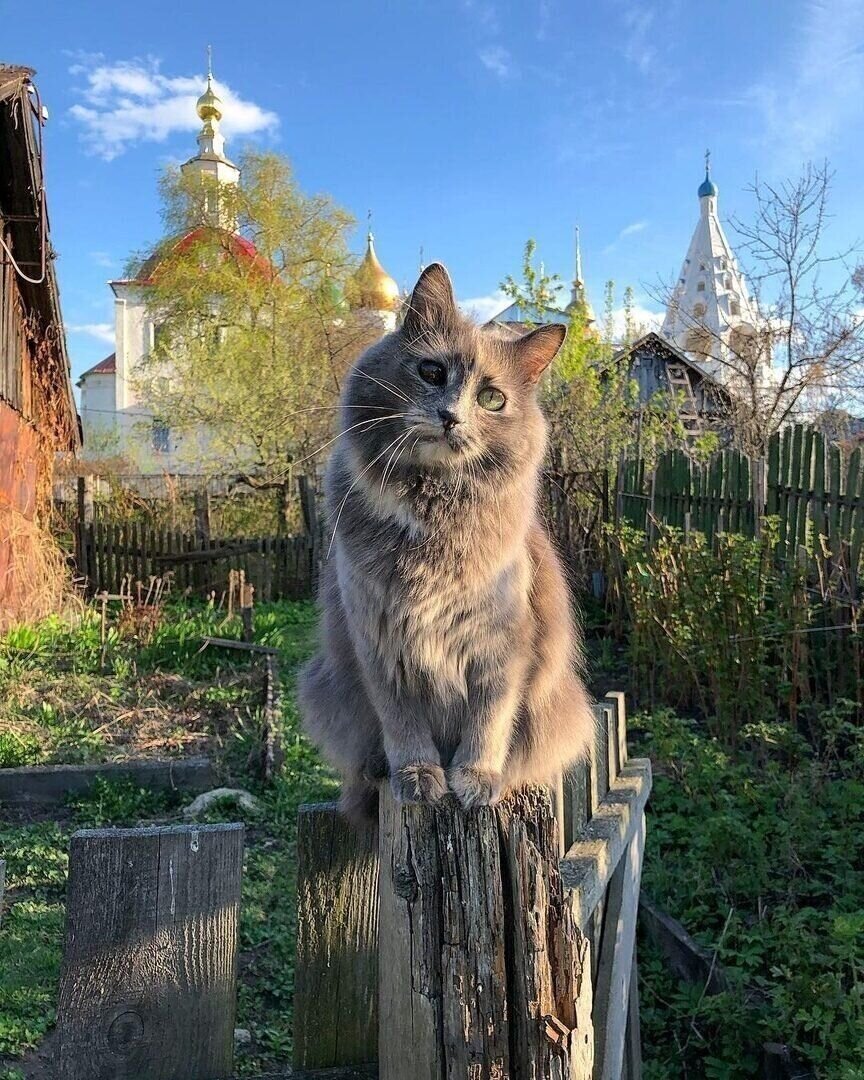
359 800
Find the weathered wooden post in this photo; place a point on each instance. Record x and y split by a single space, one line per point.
336 988
482 972
149 972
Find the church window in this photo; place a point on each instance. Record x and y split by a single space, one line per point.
722 264
698 311
700 287
161 437
728 281
734 308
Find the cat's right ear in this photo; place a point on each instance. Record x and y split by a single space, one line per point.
432 305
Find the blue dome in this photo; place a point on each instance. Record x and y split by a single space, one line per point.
707 187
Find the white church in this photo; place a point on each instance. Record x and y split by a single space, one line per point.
116 422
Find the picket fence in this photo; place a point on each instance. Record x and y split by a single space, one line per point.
115 557
808 484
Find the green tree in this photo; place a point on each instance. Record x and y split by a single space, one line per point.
253 335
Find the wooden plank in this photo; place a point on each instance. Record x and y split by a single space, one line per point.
591 860
619 702
687 960
40 785
612 993
633 1042
149 971
336 982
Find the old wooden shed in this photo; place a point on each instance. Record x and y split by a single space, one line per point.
38 418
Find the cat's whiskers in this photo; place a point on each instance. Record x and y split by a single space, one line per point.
391 464
356 481
369 422
395 390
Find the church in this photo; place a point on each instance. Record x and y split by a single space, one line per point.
116 423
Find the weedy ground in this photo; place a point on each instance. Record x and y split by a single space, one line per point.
225 692
758 852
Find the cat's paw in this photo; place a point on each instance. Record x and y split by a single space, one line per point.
419 783
474 786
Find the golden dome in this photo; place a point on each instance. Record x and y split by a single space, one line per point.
374 289
208 105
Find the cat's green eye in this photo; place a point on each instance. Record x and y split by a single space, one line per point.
491 398
432 372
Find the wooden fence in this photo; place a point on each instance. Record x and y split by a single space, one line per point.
280 567
807 483
501 942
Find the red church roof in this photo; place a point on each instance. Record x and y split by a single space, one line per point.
108 366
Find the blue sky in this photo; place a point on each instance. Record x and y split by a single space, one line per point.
467 126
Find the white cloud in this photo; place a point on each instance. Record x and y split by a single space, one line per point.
128 101
642 319
103 331
497 59
102 258
483 308
639 37
816 93
628 230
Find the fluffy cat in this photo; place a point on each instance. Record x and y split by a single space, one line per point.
448 659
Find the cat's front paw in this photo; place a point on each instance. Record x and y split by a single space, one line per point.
419 783
474 786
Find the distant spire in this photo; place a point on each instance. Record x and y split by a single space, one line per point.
578 277
422 263
578 297
707 164
209 63
369 235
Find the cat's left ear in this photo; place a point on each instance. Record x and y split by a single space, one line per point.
536 351
432 305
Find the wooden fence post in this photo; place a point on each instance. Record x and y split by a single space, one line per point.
483 973
150 962
336 974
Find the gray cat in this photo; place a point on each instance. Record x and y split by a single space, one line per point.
448 659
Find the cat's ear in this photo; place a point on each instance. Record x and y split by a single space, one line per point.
536 351
432 305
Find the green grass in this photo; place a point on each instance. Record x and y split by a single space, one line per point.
760 857
31 935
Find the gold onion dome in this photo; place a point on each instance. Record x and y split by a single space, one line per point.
208 105
374 289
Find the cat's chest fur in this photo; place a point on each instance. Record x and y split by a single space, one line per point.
435 607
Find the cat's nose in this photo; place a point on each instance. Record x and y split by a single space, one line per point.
448 419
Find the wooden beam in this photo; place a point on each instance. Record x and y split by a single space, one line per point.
246 646
589 864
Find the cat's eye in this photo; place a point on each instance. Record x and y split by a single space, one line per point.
491 398
432 372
